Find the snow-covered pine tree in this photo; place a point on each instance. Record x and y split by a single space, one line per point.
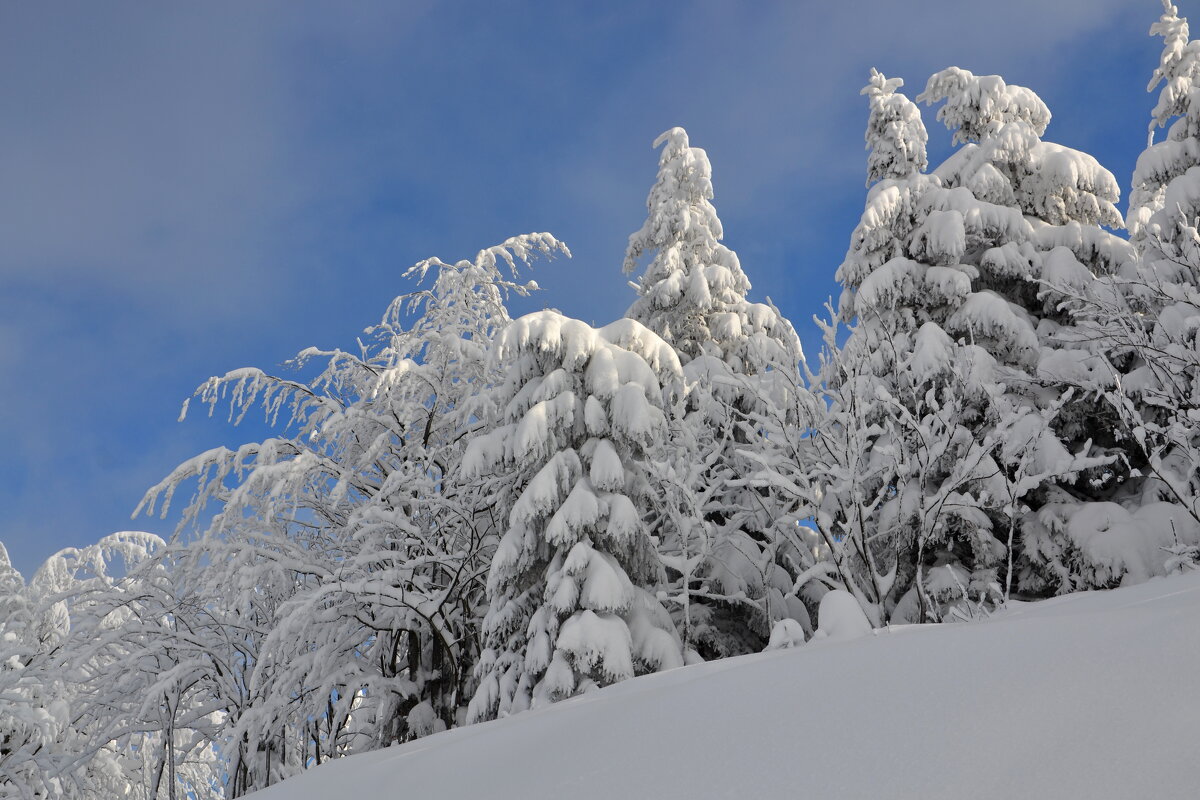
1164 223
571 586
1025 285
693 291
1144 322
1161 164
896 137
902 464
346 559
728 584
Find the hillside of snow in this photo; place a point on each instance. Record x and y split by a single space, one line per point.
1091 695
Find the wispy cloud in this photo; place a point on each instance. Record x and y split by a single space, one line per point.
186 189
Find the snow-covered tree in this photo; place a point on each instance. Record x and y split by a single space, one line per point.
941 420
1163 163
1141 322
879 467
571 586
141 673
1164 286
33 719
348 556
896 136
1024 285
901 463
726 560
693 291
1164 210
81 704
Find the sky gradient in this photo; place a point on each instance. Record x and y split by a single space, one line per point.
187 189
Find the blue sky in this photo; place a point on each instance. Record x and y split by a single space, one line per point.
191 188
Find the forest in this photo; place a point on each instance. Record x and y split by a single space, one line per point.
473 515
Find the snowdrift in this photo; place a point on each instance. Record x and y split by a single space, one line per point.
1090 695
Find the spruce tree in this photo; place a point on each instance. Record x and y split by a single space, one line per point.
1144 320
728 582
1067 199
571 585
906 470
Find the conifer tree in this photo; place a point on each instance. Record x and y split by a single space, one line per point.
1026 284
728 583
693 291
571 602
1164 225
1163 163
904 461
1143 321
896 136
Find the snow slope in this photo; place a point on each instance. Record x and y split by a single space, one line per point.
1091 695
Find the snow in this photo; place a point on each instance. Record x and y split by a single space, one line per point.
943 233
987 314
623 520
976 103
1061 269
1162 162
933 353
606 587
1129 546
598 641
786 633
891 284
579 511
606 473
545 489
1081 696
840 618
654 644
632 414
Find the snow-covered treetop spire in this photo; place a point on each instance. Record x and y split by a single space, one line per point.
1005 162
1162 165
895 133
11 586
693 292
692 275
678 203
1177 68
978 104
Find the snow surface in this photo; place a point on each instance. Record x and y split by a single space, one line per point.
840 618
1090 695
